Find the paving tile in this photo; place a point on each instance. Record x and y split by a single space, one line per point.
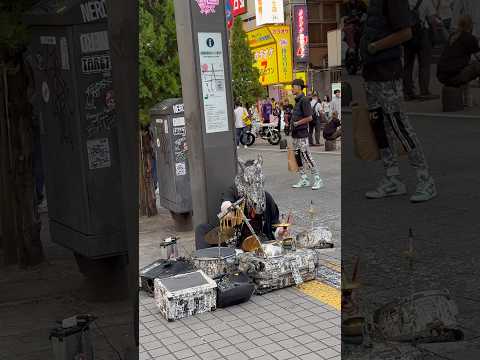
183 354
254 353
271 348
269 330
288 343
228 350
262 341
212 337
159 352
305 339
147 339
244 329
299 350
229 333
237 356
200 349
211 355
196 342
294 333
331 341
284 326
152 345
266 357
165 357
144 356
316 346
278 337
246 345
173 348
320 334
328 353
204 331
255 334
219 343
195 357
283 355
311 356
170 340
237 339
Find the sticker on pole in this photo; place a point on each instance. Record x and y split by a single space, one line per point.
98 154
208 6
214 95
45 92
180 169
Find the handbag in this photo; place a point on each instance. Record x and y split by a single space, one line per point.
364 141
292 160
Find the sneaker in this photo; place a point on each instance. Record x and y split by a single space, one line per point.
426 190
238 147
387 187
245 146
303 182
318 183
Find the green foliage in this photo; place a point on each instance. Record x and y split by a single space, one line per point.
13 33
159 72
245 76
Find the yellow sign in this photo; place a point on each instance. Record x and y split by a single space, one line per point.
281 33
259 37
272 49
266 59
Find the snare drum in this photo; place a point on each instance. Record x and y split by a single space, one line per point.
215 261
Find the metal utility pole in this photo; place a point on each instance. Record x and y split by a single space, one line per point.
123 33
207 95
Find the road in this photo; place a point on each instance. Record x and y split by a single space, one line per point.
285 324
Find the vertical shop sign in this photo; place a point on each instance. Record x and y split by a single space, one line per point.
300 34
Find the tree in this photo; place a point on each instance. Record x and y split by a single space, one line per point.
159 76
20 224
245 76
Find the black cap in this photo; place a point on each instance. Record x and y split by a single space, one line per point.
298 82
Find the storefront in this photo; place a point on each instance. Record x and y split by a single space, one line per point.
272 49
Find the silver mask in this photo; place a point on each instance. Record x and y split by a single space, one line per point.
249 184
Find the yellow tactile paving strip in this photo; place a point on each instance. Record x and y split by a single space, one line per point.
324 293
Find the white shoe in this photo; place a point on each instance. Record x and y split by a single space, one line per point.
426 190
387 187
238 147
318 183
303 182
245 146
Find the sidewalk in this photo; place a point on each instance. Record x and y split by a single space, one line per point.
293 323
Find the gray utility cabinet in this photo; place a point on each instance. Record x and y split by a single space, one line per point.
171 154
70 56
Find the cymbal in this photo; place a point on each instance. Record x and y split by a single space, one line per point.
250 244
216 237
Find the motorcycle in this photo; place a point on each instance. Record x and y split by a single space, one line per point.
267 132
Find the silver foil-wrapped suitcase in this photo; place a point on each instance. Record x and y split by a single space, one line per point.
184 295
272 273
316 238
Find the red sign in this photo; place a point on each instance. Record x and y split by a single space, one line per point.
300 33
239 7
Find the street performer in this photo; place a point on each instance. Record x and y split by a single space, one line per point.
260 207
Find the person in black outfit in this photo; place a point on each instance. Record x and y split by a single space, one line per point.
333 128
260 207
454 68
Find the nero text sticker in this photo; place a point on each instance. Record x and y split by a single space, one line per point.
180 121
98 153
180 169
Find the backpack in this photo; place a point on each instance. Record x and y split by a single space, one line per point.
316 116
417 27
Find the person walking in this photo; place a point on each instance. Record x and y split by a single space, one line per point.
387 27
266 110
314 126
467 7
301 116
419 47
336 103
444 10
240 114
326 107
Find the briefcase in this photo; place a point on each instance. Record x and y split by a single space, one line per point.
233 289
185 295
162 269
272 273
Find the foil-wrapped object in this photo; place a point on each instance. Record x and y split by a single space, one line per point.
185 295
316 238
215 261
272 273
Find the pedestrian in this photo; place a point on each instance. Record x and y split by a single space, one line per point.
387 27
240 115
314 126
277 114
419 48
333 129
454 67
287 116
266 110
302 115
468 7
336 103
326 107
444 10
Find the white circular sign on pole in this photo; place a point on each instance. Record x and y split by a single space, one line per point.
45 92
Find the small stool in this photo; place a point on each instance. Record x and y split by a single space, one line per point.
452 98
330 145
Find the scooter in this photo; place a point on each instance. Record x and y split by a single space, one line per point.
267 132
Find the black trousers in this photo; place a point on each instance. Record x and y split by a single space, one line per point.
314 127
424 55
